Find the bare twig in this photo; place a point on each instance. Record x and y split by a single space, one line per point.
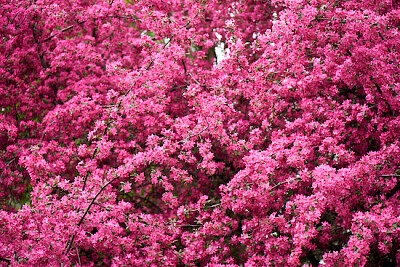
38 47
189 225
123 17
187 24
390 175
184 66
6 260
44 133
167 43
71 241
79 257
190 136
62 30
107 209
8 163
285 182
194 79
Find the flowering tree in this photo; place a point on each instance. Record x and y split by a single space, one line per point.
125 142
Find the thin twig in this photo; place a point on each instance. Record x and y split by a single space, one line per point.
107 209
167 43
190 136
93 200
44 133
285 182
184 66
187 24
189 225
79 257
62 30
194 79
69 244
8 163
38 48
6 260
123 17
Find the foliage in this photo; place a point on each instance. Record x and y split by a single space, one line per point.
124 142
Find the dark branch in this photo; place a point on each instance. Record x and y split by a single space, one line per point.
6 260
63 30
71 241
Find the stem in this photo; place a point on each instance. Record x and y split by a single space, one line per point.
184 66
38 48
285 182
79 257
62 30
69 244
187 138
194 79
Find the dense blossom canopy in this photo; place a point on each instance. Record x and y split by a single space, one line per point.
126 140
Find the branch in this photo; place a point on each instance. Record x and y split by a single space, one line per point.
194 79
215 205
62 30
8 163
38 48
94 199
79 257
44 132
187 138
184 66
167 43
5 259
107 209
71 241
123 17
190 225
152 60
285 182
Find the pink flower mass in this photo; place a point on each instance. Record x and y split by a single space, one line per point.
199 133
